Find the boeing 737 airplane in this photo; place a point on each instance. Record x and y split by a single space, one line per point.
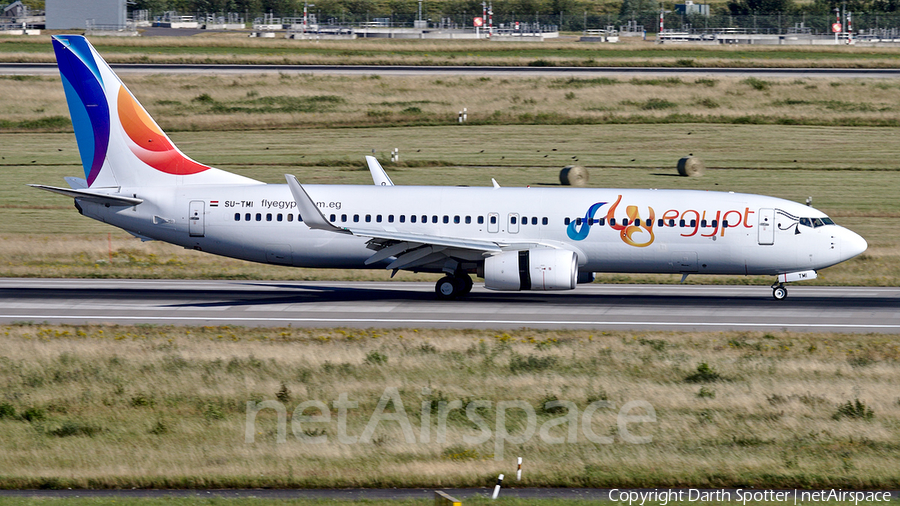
514 238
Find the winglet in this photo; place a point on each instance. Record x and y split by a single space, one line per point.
378 174
496 184
313 218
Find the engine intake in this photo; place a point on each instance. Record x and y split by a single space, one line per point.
533 269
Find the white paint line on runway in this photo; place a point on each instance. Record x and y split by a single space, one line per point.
406 321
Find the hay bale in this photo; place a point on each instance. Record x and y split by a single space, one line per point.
573 175
690 166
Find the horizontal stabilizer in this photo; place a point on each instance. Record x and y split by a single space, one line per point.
91 195
76 182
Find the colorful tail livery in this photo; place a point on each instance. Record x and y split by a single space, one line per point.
119 143
514 238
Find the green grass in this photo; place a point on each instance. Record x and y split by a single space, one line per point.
165 407
192 501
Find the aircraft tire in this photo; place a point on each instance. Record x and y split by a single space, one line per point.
467 284
448 287
779 292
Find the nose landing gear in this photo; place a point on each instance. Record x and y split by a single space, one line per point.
779 291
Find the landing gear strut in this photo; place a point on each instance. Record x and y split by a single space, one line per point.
451 287
779 291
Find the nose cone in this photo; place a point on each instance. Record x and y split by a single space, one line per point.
852 244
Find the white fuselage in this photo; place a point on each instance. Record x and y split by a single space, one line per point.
713 232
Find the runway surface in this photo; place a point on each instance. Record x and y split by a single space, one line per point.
395 304
478 71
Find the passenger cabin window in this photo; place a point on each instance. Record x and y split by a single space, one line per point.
566 221
512 220
456 220
481 220
290 217
344 218
434 218
390 218
412 219
378 218
544 221
279 217
368 218
424 219
237 216
612 222
333 217
534 220
493 220
446 219
247 217
355 218
268 216
468 220
402 218
258 216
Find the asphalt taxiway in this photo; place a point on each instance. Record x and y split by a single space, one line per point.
400 304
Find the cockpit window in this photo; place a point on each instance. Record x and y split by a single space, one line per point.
816 222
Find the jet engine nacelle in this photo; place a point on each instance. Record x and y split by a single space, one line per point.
533 269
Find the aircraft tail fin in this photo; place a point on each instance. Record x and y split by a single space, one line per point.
120 144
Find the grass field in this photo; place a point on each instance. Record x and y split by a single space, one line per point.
238 48
278 101
477 501
302 502
148 406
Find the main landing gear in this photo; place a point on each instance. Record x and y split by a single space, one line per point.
779 291
451 287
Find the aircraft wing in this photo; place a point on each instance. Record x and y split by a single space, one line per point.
91 195
410 249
